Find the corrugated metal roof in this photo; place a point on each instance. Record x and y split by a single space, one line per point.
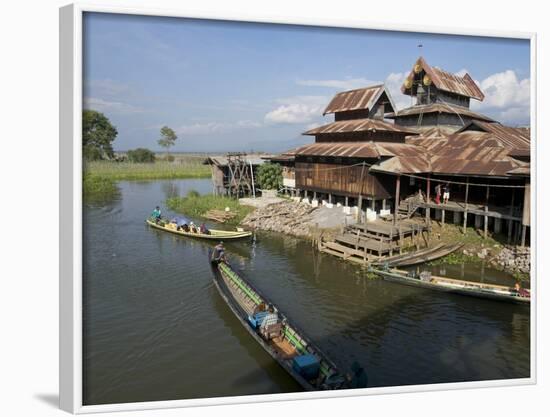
443 80
404 165
222 160
361 98
510 137
438 108
358 125
361 149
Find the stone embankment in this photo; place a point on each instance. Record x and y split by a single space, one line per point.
514 259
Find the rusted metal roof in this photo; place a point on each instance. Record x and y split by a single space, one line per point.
438 108
358 125
521 171
446 81
510 137
360 150
361 98
222 160
404 165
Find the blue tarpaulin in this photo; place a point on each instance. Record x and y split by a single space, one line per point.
180 221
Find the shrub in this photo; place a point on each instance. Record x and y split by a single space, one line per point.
92 153
169 158
141 155
270 176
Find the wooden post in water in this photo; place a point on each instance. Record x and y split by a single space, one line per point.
466 206
396 208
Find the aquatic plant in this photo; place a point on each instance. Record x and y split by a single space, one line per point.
195 205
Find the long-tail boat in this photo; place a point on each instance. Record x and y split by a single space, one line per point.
457 286
272 330
211 235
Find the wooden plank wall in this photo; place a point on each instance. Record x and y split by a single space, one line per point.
341 180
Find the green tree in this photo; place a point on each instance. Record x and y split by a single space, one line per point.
98 135
141 155
167 138
270 176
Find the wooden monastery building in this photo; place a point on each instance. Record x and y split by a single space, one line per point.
377 158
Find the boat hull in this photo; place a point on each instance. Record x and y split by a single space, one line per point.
214 234
242 316
403 279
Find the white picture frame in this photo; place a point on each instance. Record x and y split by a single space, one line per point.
70 153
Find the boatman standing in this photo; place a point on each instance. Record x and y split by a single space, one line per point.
157 214
219 253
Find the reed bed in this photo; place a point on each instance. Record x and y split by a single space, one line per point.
188 167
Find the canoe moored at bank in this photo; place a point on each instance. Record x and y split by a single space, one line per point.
212 234
457 286
272 330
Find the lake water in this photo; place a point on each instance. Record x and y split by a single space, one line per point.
155 327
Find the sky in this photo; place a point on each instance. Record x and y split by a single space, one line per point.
233 86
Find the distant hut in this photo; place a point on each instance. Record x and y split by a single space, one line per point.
235 174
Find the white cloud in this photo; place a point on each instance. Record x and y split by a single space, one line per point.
507 98
297 110
393 82
216 127
462 72
345 84
101 105
107 87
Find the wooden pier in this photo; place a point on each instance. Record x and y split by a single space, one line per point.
364 243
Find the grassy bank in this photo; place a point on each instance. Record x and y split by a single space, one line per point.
96 188
189 167
195 205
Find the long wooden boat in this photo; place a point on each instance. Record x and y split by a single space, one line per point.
272 330
213 235
421 256
457 286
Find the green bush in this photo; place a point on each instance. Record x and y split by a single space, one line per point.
169 158
270 176
92 153
141 155
193 194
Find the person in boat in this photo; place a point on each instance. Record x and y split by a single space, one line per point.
192 228
156 214
358 378
219 253
521 292
203 229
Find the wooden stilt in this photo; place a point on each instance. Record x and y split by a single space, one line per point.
396 208
511 222
442 218
466 205
523 234
428 198
384 204
485 223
